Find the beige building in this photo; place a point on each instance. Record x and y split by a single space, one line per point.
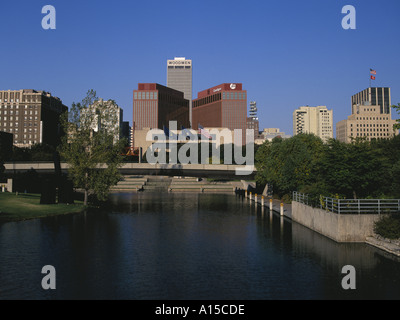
269 134
317 120
31 116
371 116
143 139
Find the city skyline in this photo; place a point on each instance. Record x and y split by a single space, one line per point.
292 54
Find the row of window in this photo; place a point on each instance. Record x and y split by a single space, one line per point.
372 118
30 142
372 125
234 95
25 136
17 106
179 67
11 118
12 130
372 134
11 112
371 130
145 95
26 124
24 99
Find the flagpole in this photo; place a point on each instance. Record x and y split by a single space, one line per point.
370 78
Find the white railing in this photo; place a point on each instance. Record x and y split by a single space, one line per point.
350 206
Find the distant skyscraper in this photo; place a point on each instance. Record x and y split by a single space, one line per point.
179 77
316 120
370 116
252 121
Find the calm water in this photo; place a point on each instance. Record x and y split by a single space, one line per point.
185 246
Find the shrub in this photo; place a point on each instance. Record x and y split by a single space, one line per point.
388 226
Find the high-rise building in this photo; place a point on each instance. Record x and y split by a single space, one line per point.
317 120
155 105
179 77
375 96
223 106
253 124
126 131
253 110
252 120
370 116
31 116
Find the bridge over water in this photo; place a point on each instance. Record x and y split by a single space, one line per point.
188 170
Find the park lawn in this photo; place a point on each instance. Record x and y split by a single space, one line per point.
27 206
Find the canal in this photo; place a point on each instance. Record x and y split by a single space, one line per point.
185 246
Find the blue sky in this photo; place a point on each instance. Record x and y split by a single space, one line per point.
287 53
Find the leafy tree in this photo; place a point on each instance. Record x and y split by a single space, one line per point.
21 154
42 152
358 169
396 126
90 148
289 164
350 169
2 169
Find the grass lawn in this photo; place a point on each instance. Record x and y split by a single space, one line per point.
27 206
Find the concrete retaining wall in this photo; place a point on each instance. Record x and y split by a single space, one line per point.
341 228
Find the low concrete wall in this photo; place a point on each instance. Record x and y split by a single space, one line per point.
339 227
6 187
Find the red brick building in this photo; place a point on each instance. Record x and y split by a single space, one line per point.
223 106
155 105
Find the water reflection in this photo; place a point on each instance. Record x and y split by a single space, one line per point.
185 246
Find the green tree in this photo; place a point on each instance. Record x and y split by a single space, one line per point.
90 147
350 169
396 126
289 164
2 169
388 151
42 152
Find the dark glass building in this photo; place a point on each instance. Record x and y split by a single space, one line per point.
373 96
155 105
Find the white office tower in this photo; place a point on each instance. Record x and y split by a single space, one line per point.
317 120
179 77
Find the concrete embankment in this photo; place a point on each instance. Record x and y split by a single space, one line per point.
343 227
339 227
